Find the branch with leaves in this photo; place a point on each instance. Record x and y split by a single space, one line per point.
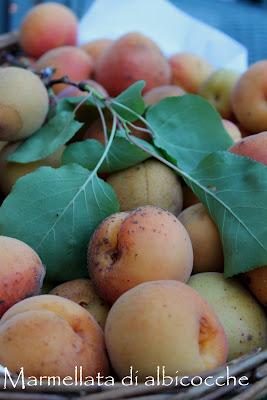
187 135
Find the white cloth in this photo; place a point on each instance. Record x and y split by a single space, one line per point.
172 29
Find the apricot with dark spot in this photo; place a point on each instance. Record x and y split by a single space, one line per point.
143 245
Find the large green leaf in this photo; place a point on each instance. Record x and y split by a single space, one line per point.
55 133
233 189
122 154
187 128
130 102
55 211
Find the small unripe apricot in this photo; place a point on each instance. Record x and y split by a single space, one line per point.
21 272
23 103
144 245
205 238
148 183
46 27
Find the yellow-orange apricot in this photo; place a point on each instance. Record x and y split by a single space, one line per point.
46 27
205 238
23 103
189 71
164 323
148 183
50 336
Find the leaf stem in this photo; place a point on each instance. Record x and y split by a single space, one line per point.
103 121
110 140
112 101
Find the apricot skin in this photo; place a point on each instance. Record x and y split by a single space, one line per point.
232 130
96 48
67 60
21 272
49 335
82 292
253 147
131 58
148 183
23 103
256 281
242 318
130 248
164 323
46 27
249 98
189 71
159 93
204 235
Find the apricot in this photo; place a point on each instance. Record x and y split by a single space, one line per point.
205 238
23 103
164 323
131 58
189 71
256 281
249 98
217 90
12 171
253 147
21 272
130 248
72 91
242 318
82 292
159 93
46 27
232 130
49 335
68 60
148 183
95 48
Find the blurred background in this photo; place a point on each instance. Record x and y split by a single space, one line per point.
244 20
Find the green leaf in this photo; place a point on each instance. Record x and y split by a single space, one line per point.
130 99
122 154
55 211
187 128
233 189
55 133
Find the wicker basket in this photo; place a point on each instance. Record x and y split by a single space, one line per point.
253 366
